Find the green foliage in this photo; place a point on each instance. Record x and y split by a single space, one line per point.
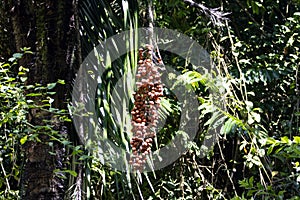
265 62
13 125
17 99
256 77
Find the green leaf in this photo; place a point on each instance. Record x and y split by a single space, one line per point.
50 86
270 149
285 140
23 79
61 81
228 126
249 105
296 139
11 59
51 93
250 119
256 116
17 55
67 120
23 139
34 94
297 13
73 173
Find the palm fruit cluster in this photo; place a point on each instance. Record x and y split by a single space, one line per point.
146 104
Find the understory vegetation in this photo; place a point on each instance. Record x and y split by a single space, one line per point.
251 99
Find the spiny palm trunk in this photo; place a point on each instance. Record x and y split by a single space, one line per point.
48 27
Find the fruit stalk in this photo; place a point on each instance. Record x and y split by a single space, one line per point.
146 105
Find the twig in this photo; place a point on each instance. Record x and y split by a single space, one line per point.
216 16
151 22
4 173
151 34
298 100
227 170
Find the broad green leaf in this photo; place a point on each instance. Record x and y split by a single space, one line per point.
50 86
296 139
23 139
285 140
17 55
61 81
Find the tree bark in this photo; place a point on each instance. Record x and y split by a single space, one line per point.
7 47
48 27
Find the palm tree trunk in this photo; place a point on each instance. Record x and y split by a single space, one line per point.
48 27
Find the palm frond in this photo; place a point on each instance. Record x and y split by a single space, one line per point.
100 20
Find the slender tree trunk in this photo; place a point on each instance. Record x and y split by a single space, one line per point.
48 27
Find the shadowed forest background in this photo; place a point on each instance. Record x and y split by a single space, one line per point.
254 45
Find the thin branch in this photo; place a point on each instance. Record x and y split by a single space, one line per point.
151 34
298 100
151 22
227 170
216 16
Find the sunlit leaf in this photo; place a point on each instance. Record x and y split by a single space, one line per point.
50 86
23 139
